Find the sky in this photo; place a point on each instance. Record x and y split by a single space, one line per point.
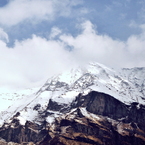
41 38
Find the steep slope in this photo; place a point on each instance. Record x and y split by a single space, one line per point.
91 105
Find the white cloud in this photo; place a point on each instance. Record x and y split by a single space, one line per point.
55 31
135 47
133 24
89 45
32 61
3 35
84 11
17 11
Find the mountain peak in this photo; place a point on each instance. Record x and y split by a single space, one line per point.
84 91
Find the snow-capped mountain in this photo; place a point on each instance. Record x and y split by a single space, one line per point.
68 96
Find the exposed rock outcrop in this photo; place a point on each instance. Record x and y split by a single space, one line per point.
93 119
15 132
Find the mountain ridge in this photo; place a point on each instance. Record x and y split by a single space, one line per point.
84 91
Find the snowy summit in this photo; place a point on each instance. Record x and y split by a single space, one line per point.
127 86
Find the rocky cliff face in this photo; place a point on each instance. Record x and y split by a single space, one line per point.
95 118
77 111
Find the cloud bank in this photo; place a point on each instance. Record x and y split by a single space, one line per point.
32 61
35 11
